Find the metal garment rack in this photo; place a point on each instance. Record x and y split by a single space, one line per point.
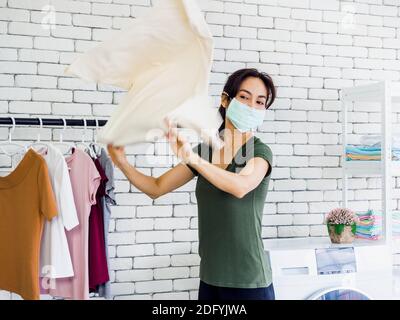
48 122
8 121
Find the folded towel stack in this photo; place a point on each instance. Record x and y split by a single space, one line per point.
370 148
363 152
369 226
396 224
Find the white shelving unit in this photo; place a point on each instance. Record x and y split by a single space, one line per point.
296 263
385 93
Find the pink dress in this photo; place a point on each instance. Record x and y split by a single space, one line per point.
85 180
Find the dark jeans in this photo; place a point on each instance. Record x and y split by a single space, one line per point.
209 292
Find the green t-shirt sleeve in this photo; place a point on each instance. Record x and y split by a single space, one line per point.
196 149
261 150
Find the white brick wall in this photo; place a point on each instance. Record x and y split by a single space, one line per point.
303 45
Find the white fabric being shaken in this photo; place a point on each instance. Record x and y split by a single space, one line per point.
164 61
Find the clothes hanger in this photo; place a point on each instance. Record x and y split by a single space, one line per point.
9 142
83 144
61 142
39 143
94 144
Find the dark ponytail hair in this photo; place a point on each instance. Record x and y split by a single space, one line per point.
234 81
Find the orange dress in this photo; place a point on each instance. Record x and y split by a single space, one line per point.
26 199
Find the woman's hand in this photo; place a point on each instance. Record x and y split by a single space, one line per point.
179 145
117 155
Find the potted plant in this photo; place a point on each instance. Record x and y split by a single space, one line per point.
341 223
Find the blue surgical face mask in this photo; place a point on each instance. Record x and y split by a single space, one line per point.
243 117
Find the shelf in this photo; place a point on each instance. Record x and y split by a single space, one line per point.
314 243
370 167
371 92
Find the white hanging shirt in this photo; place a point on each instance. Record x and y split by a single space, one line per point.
55 258
164 60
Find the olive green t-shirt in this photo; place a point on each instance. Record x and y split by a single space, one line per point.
230 241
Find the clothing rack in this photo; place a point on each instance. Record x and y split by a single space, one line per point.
8 121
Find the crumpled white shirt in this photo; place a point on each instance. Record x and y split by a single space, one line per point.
164 61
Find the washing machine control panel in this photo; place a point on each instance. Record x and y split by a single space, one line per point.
335 260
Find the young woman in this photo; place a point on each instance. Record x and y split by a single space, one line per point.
231 190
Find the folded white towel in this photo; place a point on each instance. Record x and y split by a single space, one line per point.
370 140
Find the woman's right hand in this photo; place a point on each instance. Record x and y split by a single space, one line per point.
117 155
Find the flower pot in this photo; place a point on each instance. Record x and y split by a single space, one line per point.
340 233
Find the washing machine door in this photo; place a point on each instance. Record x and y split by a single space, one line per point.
340 293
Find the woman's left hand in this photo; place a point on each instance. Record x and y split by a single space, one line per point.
179 145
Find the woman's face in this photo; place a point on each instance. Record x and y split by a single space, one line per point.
252 92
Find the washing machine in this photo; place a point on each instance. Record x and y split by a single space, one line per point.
314 268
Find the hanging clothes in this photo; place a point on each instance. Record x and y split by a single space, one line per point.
166 74
26 200
98 269
85 180
104 290
55 258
